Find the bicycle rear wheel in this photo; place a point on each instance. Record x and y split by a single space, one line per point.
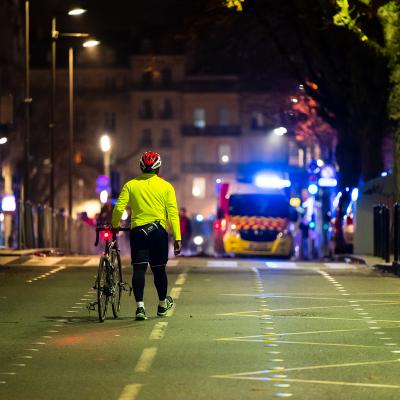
102 289
117 280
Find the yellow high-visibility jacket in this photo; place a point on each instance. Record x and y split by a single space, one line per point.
151 198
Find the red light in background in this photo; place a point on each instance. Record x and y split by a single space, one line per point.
217 226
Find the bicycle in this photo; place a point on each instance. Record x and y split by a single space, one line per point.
109 284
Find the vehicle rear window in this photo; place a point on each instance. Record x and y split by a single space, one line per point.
260 205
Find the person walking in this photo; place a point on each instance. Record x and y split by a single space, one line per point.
186 230
153 205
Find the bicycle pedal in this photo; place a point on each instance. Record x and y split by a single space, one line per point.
92 306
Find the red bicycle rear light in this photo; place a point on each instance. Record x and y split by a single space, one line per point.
106 235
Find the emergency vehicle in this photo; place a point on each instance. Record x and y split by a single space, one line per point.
254 218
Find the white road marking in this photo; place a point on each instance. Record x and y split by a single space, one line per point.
146 359
158 331
222 264
282 265
181 279
175 292
18 365
130 392
343 365
31 349
24 357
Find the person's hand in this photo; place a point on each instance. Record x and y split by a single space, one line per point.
177 247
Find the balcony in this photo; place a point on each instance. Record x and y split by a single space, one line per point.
211 130
201 167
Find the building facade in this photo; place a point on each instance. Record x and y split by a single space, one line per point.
205 127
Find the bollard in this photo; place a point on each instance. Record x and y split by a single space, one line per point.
386 233
396 235
376 230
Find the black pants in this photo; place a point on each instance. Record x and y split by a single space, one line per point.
153 250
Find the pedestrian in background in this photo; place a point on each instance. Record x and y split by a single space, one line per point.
186 230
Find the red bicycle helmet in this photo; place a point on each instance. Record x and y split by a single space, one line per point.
150 161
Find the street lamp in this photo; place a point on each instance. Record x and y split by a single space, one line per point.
76 11
105 145
91 43
55 35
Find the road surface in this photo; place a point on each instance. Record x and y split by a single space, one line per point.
241 329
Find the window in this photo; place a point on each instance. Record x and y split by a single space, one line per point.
224 116
146 139
199 188
166 140
146 111
147 79
224 153
110 122
167 111
166 77
198 153
110 84
199 118
257 120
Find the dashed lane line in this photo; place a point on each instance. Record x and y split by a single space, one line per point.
146 359
130 392
158 331
181 279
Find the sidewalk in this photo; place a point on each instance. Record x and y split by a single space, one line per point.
376 262
25 252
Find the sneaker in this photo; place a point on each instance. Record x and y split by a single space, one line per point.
162 311
140 314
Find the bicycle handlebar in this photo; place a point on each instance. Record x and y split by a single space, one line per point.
109 228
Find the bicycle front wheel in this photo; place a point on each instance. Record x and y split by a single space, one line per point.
117 280
102 289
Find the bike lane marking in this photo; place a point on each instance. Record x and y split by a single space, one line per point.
146 359
158 331
130 392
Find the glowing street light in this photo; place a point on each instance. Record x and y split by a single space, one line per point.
280 131
91 43
105 143
77 11
3 140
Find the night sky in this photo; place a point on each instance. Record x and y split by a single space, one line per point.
123 25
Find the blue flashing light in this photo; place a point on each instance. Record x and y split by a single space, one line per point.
199 218
327 182
313 189
328 171
265 181
384 173
311 225
335 202
354 194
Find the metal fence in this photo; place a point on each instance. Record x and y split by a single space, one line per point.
40 227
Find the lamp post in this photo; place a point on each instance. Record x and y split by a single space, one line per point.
105 145
55 34
27 102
